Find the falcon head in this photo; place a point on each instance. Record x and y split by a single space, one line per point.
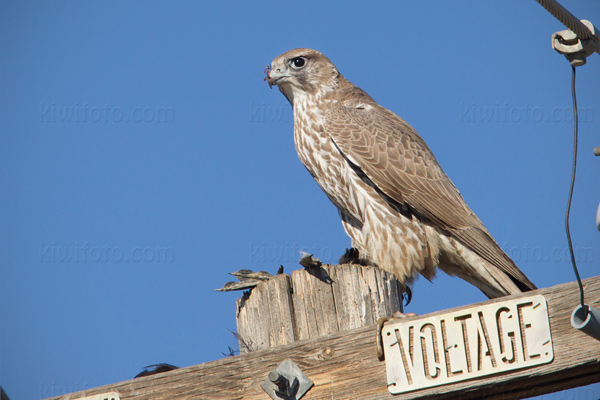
302 72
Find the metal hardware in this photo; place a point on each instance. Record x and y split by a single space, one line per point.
586 320
287 382
451 336
574 48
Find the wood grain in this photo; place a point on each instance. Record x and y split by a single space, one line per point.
344 366
314 303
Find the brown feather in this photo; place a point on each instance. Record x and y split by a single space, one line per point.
412 175
396 202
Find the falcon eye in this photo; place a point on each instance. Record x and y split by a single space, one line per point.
298 62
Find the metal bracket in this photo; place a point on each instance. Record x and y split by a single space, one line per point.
576 50
287 382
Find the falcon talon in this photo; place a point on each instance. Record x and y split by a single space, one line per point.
408 297
350 256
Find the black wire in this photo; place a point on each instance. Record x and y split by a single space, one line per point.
576 118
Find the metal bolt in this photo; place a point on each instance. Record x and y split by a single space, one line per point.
281 381
286 382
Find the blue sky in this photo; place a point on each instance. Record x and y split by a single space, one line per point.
143 158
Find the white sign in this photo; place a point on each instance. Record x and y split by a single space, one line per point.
466 344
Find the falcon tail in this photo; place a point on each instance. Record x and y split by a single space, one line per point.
507 278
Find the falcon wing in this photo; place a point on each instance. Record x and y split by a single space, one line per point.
392 155
397 160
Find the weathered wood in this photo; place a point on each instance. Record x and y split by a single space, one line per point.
314 303
344 366
265 315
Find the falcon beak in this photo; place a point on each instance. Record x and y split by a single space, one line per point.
270 80
274 76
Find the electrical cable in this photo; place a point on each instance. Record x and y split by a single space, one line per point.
568 212
568 19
